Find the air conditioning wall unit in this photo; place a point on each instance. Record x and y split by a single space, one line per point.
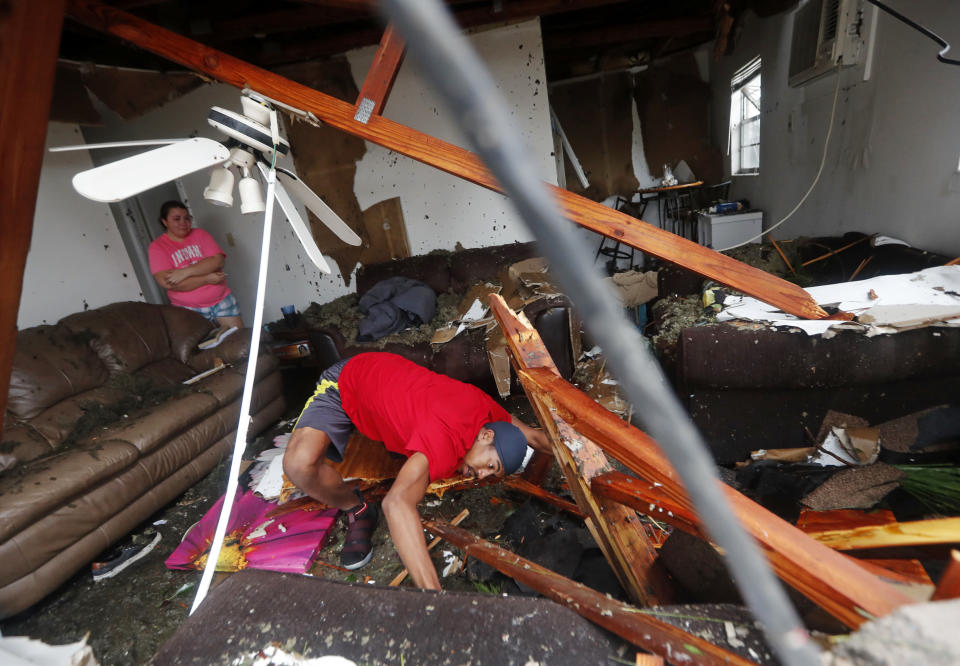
826 33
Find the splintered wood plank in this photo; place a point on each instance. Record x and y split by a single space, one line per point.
444 156
617 529
524 486
830 579
29 39
383 72
835 519
647 498
628 622
914 533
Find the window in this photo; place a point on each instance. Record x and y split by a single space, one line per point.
745 120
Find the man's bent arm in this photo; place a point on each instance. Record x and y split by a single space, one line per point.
535 437
400 509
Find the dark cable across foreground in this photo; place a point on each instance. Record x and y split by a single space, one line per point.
447 61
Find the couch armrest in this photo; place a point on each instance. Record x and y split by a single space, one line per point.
234 347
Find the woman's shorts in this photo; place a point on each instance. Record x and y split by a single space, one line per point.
228 307
323 411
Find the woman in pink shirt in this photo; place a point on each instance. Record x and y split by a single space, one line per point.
188 263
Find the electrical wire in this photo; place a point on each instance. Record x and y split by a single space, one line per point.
449 64
816 179
941 56
923 30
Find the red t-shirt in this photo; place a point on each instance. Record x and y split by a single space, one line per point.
410 409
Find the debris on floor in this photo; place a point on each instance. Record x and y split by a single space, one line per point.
23 651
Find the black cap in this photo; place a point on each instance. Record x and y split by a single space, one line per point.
510 443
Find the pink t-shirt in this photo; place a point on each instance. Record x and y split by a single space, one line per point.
166 253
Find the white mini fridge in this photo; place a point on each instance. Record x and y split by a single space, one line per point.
722 231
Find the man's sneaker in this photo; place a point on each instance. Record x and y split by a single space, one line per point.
216 336
358 545
122 559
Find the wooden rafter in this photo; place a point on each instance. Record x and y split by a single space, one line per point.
617 530
29 39
383 72
830 579
641 629
444 156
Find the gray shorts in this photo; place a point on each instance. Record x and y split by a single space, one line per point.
324 411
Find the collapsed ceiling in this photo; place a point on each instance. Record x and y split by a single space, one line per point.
579 36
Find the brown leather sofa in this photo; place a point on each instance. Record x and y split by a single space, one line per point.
67 494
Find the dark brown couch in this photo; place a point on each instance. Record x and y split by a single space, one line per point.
65 494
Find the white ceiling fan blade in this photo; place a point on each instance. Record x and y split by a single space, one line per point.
299 226
125 178
315 205
114 144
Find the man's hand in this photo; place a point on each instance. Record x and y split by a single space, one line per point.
400 509
535 437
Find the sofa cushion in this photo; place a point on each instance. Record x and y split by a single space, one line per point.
126 335
154 426
21 443
32 490
75 417
166 371
227 385
185 329
50 363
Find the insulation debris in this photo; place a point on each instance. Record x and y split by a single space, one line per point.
885 304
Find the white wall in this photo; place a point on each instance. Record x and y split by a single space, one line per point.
76 259
892 166
440 210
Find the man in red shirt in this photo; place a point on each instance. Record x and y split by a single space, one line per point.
442 425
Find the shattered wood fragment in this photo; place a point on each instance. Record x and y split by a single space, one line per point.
442 155
914 533
648 499
524 486
632 624
949 585
832 580
617 529
819 521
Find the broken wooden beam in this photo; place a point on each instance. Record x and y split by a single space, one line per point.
948 587
628 622
648 499
524 486
442 155
383 72
913 533
617 529
29 40
830 579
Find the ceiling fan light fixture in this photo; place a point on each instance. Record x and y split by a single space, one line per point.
251 198
220 190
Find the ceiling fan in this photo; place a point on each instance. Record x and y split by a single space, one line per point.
253 146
